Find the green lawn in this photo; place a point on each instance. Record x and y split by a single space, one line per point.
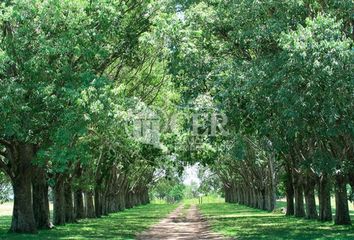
248 223
122 225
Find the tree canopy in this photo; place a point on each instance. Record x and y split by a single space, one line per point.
101 100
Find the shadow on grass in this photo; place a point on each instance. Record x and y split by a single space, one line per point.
248 223
122 225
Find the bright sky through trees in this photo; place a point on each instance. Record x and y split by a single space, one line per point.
191 175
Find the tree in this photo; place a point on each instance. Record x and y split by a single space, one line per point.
50 53
272 67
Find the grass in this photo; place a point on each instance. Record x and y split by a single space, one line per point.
122 225
205 199
243 222
158 201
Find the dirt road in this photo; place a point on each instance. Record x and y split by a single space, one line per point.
182 224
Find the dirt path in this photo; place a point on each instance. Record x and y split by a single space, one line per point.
181 224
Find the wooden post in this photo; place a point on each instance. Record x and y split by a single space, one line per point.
200 200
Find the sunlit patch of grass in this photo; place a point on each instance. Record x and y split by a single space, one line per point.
122 225
248 223
159 201
204 199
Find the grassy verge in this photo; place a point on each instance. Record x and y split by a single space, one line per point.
122 225
248 223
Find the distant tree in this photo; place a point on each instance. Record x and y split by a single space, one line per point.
210 182
191 190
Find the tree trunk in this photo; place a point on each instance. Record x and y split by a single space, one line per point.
69 208
121 199
309 190
259 199
104 204
146 199
311 211
227 194
40 199
299 198
324 197
289 190
242 194
90 213
129 200
342 209
254 198
137 198
78 195
272 198
98 203
23 220
59 202
263 199
79 204
238 194
272 187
